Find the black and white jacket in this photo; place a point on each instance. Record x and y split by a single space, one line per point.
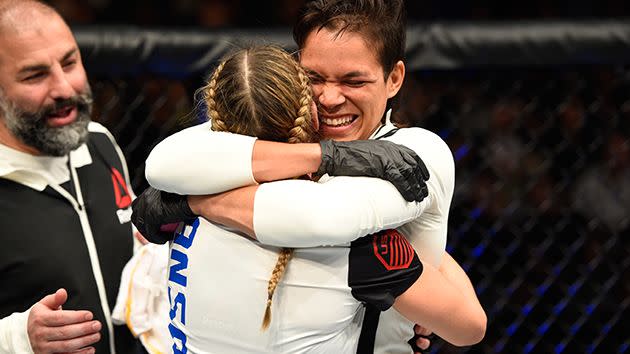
65 223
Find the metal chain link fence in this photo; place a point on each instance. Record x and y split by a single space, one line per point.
541 213
541 209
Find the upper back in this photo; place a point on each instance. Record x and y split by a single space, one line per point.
223 283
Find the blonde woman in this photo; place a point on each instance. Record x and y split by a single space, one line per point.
230 293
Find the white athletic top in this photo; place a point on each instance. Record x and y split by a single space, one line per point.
217 289
361 205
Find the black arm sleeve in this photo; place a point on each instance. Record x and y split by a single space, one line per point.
381 267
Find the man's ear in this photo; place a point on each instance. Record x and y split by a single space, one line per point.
395 79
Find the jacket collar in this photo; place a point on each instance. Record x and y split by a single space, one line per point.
384 128
39 171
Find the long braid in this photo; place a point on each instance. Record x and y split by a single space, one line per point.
262 92
210 92
298 134
278 271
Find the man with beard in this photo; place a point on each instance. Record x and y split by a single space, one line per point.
64 195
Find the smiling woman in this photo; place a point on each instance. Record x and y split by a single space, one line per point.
349 83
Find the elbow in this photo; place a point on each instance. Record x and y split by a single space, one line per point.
149 175
152 173
478 332
475 333
156 179
163 175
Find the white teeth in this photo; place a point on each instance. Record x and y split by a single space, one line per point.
335 122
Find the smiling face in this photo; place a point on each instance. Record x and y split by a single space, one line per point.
45 98
349 84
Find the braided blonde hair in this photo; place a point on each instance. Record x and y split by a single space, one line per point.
262 91
217 123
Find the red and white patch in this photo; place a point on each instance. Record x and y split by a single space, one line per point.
121 193
392 249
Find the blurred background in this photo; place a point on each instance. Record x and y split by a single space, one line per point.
252 13
533 97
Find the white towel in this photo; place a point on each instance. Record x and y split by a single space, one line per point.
142 302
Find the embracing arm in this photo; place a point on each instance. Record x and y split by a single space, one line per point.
453 272
297 213
185 173
446 303
198 161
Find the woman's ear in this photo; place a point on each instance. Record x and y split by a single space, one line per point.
395 79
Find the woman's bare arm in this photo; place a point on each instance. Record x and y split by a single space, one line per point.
445 302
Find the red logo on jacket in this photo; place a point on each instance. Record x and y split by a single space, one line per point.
123 198
392 249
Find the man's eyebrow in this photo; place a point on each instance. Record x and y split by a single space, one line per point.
69 54
33 68
44 67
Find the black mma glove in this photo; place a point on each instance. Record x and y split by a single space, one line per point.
377 158
154 208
